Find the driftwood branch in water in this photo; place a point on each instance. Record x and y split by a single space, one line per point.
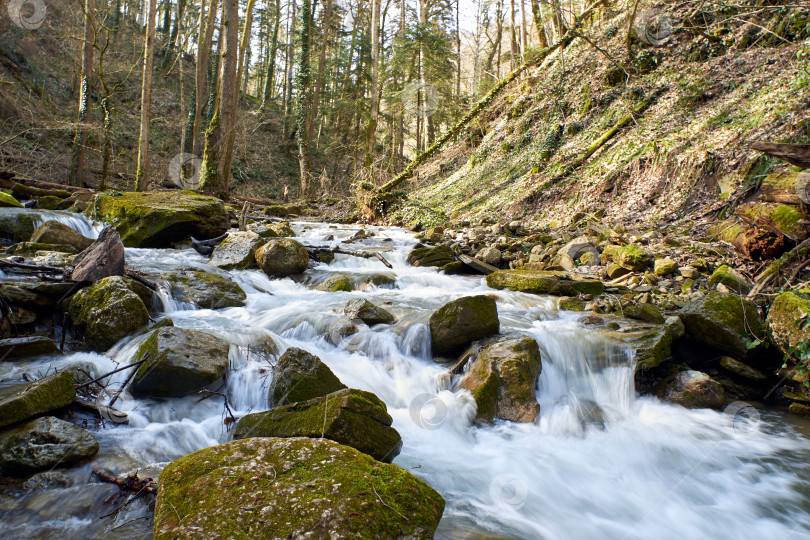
206 247
113 372
364 254
129 483
103 411
6 264
139 277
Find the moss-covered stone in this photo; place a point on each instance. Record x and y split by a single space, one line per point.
731 279
664 267
45 443
632 257
16 348
362 309
643 312
568 303
463 321
108 311
301 376
282 257
723 321
352 417
7 201
31 248
49 202
291 488
652 348
23 401
336 283
17 224
56 233
784 217
543 282
693 390
503 379
159 218
785 322
180 362
431 256
206 290
237 251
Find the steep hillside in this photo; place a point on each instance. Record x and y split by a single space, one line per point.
706 83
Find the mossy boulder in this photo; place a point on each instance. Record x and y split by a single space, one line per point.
237 251
543 282
17 224
108 311
291 488
632 257
23 401
16 348
272 230
180 362
652 347
158 218
37 296
336 283
785 218
45 443
732 279
56 233
362 309
31 248
352 417
49 202
7 201
787 322
431 256
643 312
503 379
693 390
664 267
206 290
301 376
463 321
723 321
568 303
282 257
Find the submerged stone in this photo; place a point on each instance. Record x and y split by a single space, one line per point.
693 390
336 283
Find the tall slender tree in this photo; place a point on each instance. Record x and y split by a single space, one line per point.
302 84
142 173
375 81
76 173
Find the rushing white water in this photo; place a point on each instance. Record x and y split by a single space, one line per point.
599 463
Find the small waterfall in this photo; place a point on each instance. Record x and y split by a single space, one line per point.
78 222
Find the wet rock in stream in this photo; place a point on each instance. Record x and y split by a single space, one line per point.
44 443
301 376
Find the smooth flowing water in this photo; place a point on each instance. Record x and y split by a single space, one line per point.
599 463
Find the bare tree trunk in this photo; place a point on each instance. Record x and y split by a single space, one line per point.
401 121
523 37
458 50
142 173
538 21
271 61
213 178
205 34
76 173
512 40
375 81
316 96
302 84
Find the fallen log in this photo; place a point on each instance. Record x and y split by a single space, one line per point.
6 264
139 277
313 251
104 258
258 202
206 247
22 190
103 411
128 483
795 154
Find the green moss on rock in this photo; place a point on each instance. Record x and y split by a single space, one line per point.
301 376
206 290
731 279
723 321
336 283
23 401
282 257
543 282
7 201
463 321
431 256
785 321
291 488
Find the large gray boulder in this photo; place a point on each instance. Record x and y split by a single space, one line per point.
301 376
463 321
237 251
206 290
282 257
363 310
108 311
291 488
45 443
180 362
16 348
352 417
503 379
23 401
